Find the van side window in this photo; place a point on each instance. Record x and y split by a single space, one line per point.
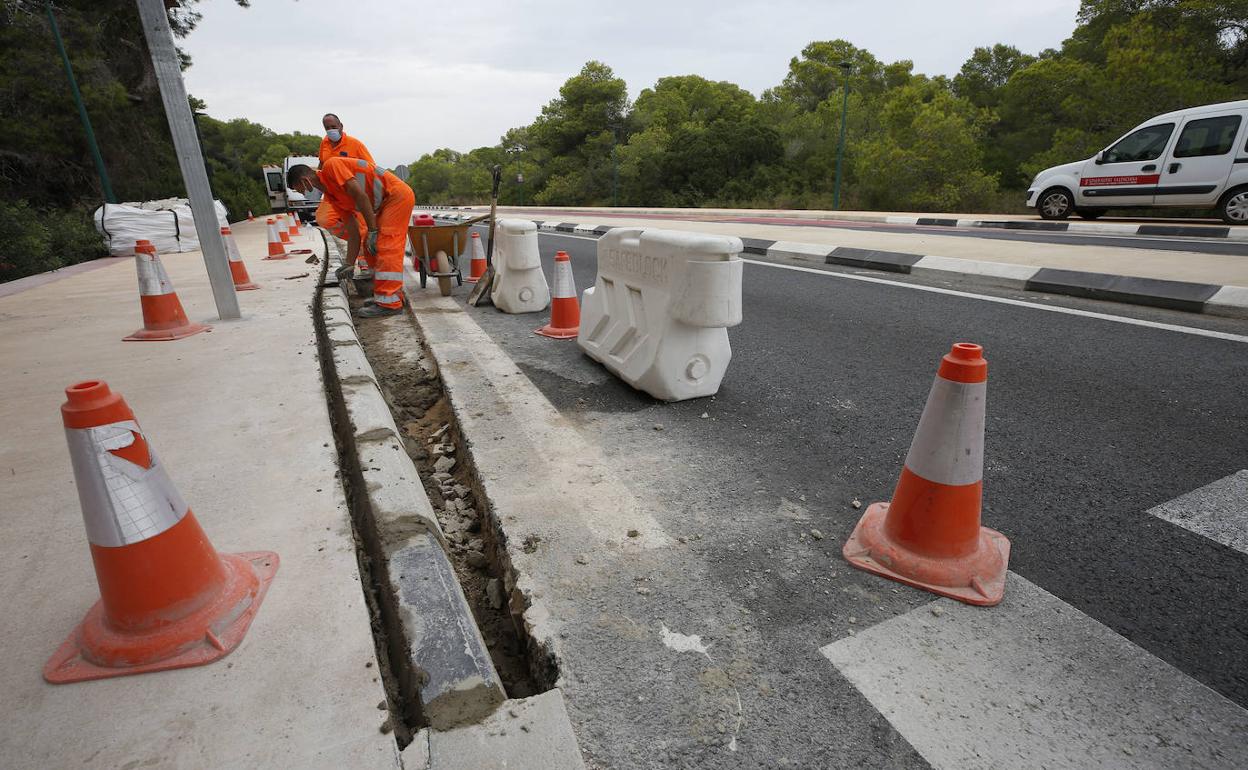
1145 144
1207 136
275 181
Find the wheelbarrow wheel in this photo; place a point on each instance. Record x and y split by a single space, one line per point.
443 269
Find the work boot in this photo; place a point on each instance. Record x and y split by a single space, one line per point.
377 311
344 272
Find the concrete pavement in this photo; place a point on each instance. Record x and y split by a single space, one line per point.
238 416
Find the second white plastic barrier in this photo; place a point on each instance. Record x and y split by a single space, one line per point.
519 284
658 314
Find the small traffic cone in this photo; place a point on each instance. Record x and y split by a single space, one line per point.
929 536
276 249
167 598
477 266
250 217
242 281
565 309
283 229
163 317
294 225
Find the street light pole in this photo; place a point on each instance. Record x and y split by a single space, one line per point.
840 147
105 185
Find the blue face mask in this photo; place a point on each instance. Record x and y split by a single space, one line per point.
334 134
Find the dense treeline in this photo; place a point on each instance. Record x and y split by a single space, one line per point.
48 183
913 142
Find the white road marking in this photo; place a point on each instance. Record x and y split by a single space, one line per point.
986 298
1033 682
1015 302
1219 511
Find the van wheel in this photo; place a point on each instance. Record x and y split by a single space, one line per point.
1055 203
1091 213
1233 208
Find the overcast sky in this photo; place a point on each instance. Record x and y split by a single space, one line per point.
408 78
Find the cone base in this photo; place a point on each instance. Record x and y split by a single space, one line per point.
165 335
977 579
557 333
211 634
470 279
246 286
277 256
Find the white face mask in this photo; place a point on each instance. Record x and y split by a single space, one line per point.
334 134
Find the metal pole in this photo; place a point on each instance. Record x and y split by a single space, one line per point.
615 168
190 158
105 184
840 147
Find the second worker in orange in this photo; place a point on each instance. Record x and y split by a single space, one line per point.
385 202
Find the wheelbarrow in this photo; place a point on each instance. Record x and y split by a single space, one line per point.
436 250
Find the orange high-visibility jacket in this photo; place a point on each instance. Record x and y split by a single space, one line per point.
347 147
376 182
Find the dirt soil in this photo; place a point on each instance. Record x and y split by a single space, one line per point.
424 417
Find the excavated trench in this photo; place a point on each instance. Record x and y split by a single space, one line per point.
431 437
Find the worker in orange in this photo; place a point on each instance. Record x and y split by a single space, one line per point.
355 186
336 144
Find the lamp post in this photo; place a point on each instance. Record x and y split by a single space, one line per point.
105 185
840 147
520 182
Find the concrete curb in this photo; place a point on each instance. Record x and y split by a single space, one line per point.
437 654
1209 299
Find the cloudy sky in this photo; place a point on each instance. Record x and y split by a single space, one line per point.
409 77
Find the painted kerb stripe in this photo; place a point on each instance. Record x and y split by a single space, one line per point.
1176 295
891 261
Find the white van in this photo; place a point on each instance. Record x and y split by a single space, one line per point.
1195 158
282 198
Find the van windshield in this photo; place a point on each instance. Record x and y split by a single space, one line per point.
1145 144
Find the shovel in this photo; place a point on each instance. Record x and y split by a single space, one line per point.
481 292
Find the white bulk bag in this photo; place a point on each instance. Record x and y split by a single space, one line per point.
167 223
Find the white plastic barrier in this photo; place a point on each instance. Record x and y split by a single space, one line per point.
519 284
659 312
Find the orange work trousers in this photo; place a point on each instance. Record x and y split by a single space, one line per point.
392 221
327 217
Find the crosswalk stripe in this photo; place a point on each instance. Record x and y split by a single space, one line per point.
1219 511
1035 682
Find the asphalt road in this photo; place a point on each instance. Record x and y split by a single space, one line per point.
1090 424
1203 245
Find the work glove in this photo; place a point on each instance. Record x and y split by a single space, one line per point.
371 242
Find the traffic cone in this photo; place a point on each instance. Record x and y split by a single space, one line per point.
163 317
929 536
294 225
250 217
565 309
276 249
283 229
167 598
242 281
477 266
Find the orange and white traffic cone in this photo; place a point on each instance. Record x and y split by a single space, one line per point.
276 249
294 225
250 216
283 229
565 309
167 598
929 535
477 266
238 270
163 317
